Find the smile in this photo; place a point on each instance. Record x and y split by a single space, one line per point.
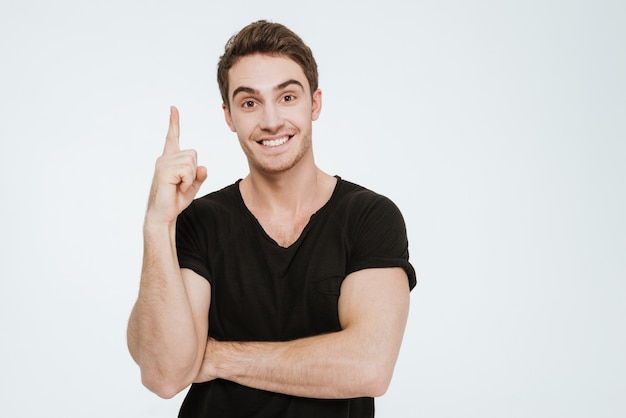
275 142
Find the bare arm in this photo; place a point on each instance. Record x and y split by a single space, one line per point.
357 361
167 329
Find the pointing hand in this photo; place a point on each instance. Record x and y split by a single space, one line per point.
177 177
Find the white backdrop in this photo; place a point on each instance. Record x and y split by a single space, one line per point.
498 127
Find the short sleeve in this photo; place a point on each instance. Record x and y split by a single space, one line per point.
191 242
379 239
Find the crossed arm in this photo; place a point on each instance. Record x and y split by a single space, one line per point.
171 348
357 361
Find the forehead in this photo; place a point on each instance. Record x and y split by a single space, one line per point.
264 72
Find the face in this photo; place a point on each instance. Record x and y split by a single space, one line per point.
272 110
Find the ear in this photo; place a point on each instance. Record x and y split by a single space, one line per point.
228 117
317 104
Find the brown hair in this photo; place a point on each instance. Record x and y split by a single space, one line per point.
266 38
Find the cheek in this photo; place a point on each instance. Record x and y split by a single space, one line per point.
242 125
303 117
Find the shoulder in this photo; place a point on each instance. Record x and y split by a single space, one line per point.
212 211
226 196
223 200
210 218
358 199
363 213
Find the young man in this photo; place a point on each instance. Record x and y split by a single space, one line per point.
285 294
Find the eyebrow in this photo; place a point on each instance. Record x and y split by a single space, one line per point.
250 90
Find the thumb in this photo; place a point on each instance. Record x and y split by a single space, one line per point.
201 176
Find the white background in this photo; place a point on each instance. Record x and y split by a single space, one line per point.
498 127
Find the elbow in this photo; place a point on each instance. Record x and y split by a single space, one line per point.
163 387
378 390
378 387
165 378
376 380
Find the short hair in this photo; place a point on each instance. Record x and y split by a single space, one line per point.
265 38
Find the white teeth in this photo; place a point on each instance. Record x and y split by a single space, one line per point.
275 142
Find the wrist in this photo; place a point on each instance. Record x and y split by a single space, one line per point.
155 224
234 360
155 231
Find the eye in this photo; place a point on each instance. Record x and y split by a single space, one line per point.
248 104
289 98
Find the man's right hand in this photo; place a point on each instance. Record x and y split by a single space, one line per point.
177 178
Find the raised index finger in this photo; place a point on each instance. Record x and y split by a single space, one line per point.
171 140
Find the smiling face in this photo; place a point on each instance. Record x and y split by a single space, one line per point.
272 110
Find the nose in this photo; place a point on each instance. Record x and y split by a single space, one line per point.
271 118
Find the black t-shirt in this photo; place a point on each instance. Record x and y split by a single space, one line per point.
261 291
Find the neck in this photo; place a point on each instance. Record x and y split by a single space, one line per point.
291 191
284 203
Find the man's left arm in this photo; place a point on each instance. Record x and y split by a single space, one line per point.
354 362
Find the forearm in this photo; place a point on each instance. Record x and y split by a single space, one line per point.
162 338
331 366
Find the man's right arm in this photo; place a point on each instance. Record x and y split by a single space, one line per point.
168 326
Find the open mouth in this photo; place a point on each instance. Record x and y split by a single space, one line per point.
275 142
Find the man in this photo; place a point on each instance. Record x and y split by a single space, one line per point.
285 294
